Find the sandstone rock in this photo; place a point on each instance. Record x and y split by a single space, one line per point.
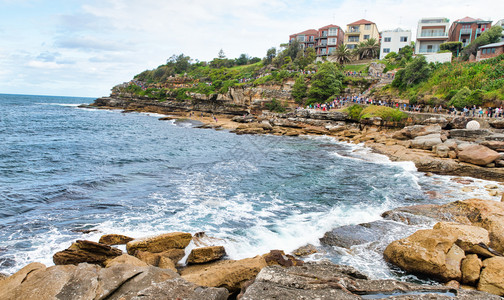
492 276
469 135
166 263
454 259
453 284
230 274
278 257
497 123
441 150
305 250
200 239
467 234
160 243
125 259
436 120
411 132
154 259
114 239
178 288
206 254
9 284
478 155
471 267
494 145
85 251
350 235
426 142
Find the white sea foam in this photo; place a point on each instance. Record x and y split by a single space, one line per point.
62 104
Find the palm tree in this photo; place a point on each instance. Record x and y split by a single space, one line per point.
342 54
368 49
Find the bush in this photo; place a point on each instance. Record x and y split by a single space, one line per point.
275 106
354 111
466 97
385 113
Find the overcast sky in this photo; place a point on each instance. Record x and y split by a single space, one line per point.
84 48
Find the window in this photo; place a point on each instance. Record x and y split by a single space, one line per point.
353 29
387 40
404 38
300 38
331 41
350 46
353 39
386 50
311 38
323 51
333 31
324 33
493 50
367 27
332 49
366 36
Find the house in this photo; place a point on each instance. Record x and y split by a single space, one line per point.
360 31
329 38
431 32
394 40
500 23
306 38
489 51
467 30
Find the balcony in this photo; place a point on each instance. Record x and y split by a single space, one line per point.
480 30
433 35
428 50
466 31
353 30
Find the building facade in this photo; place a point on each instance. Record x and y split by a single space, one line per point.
394 40
431 32
306 38
500 23
329 38
489 51
360 31
467 29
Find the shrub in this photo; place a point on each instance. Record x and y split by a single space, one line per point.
275 106
354 111
384 112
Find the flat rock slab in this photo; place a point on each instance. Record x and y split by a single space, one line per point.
160 243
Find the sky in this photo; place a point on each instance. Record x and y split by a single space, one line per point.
84 48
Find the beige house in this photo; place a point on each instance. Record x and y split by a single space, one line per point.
360 31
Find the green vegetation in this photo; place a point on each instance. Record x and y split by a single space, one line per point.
343 55
453 47
327 82
275 106
385 113
354 111
493 35
300 89
368 49
416 71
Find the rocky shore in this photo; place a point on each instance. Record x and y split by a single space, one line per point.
462 251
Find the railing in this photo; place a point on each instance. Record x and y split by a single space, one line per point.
434 34
352 30
480 30
426 50
466 31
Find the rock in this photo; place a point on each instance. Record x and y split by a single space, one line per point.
166 263
493 193
278 257
9 284
492 276
230 274
497 123
494 145
433 252
441 150
200 239
411 132
125 259
160 243
154 259
350 235
471 267
85 251
478 155
459 122
491 186
178 288
469 135
114 239
323 280
495 137
305 250
206 254
454 284
426 142
436 120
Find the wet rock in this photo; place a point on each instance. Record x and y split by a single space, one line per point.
160 243
178 288
328 281
471 267
114 239
230 274
201 239
125 259
350 235
478 155
206 254
278 257
305 250
492 276
85 251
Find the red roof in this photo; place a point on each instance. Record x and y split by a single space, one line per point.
468 19
309 31
361 22
329 26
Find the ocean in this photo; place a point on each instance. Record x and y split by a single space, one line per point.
68 173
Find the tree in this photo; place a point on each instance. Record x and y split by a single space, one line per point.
342 54
454 47
325 83
270 54
243 59
415 72
368 49
293 49
493 35
299 89
304 58
466 97
221 54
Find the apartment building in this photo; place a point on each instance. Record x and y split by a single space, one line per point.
489 51
467 29
360 31
500 23
394 40
329 38
431 32
306 38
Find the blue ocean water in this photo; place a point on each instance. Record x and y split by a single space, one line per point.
65 169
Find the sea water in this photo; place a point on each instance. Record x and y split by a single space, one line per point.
68 173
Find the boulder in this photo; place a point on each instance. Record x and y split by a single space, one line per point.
478 155
125 259
154 259
436 120
471 267
305 250
350 235
278 257
9 284
468 134
411 132
495 137
324 280
492 276
494 145
206 254
441 150
114 239
426 142
85 251
454 259
230 274
178 288
166 263
160 243
497 123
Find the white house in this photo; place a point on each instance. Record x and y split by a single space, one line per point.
394 40
431 33
500 23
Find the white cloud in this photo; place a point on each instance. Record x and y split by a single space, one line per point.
44 64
